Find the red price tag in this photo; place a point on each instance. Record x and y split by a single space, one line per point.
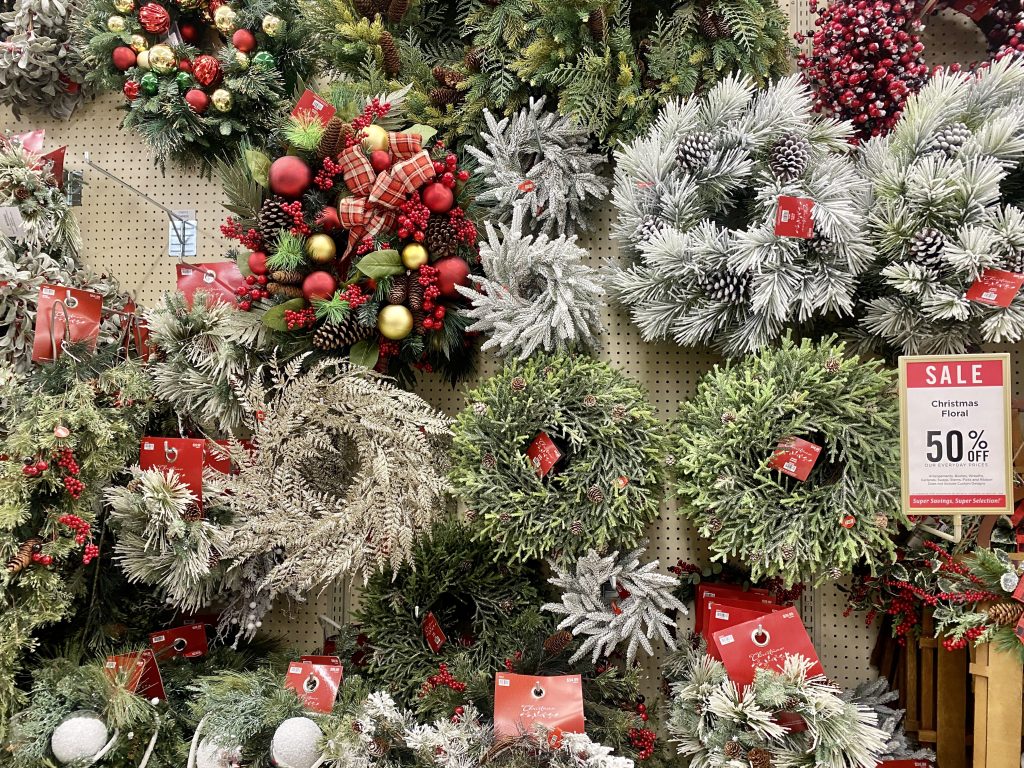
794 217
707 592
314 105
543 454
142 671
435 636
522 701
728 614
996 287
764 643
315 684
76 318
218 280
976 9
181 454
906 764
188 641
795 457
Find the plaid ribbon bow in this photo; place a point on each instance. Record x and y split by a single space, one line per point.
375 198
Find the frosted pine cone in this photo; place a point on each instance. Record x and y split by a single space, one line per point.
787 552
728 417
833 364
926 248
950 139
576 528
589 401
733 750
480 409
518 384
595 494
835 574
647 229
504 518
694 150
1014 262
618 412
725 286
882 521
488 461
788 157
714 525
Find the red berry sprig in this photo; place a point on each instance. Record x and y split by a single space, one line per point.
413 216
250 239
642 740
442 679
428 277
303 318
354 295
40 559
34 467
371 111
325 176
66 460
254 289
90 553
299 227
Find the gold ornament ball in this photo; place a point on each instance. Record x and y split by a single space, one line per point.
414 256
374 138
116 24
124 6
224 19
394 322
273 25
222 100
242 59
161 59
321 248
142 60
139 43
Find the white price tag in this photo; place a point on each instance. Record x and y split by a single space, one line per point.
11 223
955 434
181 234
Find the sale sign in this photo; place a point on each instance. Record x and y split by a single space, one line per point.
955 434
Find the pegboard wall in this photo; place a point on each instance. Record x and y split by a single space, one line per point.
127 236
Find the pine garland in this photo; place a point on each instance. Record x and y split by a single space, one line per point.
538 293
724 440
607 488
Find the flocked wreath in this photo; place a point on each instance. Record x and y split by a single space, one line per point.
198 76
597 446
726 438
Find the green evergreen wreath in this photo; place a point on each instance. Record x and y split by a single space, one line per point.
602 492
725 438
483 610
199 76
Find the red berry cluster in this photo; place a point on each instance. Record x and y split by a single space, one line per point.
250 239
682 567
66 460
642 740
1004 29
365 245
865 60
81 528
254 289
294 209
354 295
447 171
40 559
972 634
370 112
413 216
387 348
510 663
34 467
443 679
90 553
295 321
465 230
74 487
325 176
435 312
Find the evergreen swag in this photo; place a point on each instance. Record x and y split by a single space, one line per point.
725 438
606 65
943 181
697 201
483 609
604 490
195 98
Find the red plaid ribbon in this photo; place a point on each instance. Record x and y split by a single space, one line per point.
375 197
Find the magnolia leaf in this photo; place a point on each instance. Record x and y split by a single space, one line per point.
378 264
259 166
243 264
365 353
274 317
425 131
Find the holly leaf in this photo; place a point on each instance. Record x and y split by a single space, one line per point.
259 166
425 131
365 353
243 264
274 317
378 264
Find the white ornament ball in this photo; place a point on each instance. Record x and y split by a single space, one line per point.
296 743
81 736
210 754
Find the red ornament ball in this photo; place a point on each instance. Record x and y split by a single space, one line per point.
328 219
244 40
319 285
206 70
155 19
198 100
190 31
131 90
185 65
123 57
258 263
438 198
290 176
452 271
380 159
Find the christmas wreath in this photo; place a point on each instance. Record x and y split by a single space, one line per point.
482 610
867 58
558 453
40 69
607 65
942 180
733 445
199 76
360 239
698 201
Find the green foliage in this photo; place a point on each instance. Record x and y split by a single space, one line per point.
290 253
304 132
604 492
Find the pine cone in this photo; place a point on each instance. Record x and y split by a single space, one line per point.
389 54
714 525
595 495
287 277
882 521
589 401
1005 614
926 248
759 758
365 7
446 76
728 417
576 528
397 10
709 25
272 218
950 139
518 384
442 97
833 364
733 749
504 518
333 336
835 574
787 552
557 643
596 23
22 559
473 60
192 514
279 289
647 229
480 408
328 145
415 294
489 462
788 157
1014 262
722 26
694 150
619 412
399 290
725 286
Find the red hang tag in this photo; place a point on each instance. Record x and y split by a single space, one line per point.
764 604
976 9
794 217
31 141
728 614
75 318
316 685
707 591
323 660
136 331
906 764
314 105
435 636
523 701
795 457
996 287
188 642
182 454
764 643
143 673
56 159
219 280
543 453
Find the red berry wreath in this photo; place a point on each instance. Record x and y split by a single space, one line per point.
867 56
359 240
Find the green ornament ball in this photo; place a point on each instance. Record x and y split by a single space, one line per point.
264 58
184 80
149 83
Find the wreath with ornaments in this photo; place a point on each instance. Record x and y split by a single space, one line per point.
198 76
867 56
359 237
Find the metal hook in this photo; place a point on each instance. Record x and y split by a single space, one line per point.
53 326
170 453
760 632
